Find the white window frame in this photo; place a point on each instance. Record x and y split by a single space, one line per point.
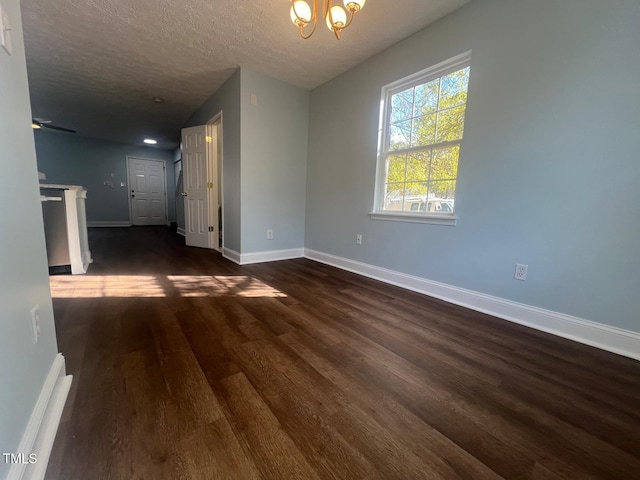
436 71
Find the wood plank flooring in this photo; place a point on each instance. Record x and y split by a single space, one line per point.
187 366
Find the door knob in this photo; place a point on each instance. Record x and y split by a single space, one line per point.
132 196
184 194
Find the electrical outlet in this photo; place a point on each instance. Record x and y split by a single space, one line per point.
269 234
521 272
35 324
359 239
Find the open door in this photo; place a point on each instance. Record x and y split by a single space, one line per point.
201 185
199 227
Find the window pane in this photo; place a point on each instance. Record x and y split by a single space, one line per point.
445 189
424 130
418 166
402 106
444 165
419 178
415 189
393 196
415 204
450 124
400 135
415 194
396 168
426 98
453 89
439 205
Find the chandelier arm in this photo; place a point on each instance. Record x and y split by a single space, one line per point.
302 34
303 22
351 15
326 7
314 19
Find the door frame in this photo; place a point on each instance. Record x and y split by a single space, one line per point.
218 119
179 199
164 174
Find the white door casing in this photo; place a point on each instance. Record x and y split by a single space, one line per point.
147 191
213 141
195 183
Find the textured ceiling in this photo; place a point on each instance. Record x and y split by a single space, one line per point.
95 65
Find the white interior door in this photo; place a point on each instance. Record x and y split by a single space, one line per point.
213 175
148 191
196 192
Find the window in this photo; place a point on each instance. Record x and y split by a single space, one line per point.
421 129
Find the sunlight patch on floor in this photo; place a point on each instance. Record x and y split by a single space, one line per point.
157 286
100 286
219 285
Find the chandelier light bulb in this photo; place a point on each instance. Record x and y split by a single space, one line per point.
300 13
308 14
339 17
354 5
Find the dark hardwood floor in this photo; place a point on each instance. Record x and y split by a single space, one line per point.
187 366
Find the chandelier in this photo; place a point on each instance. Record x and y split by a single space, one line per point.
335 15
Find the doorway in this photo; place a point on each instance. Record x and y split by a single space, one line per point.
202 184
147 191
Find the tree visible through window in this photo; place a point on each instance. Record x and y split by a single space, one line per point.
422 133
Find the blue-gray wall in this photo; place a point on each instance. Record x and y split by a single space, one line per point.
73 160
549 173
264 160
24 280
273 167
227 100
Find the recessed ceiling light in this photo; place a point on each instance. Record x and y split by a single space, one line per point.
158 99
150 141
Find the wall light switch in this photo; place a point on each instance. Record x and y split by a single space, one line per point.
35 324
5 30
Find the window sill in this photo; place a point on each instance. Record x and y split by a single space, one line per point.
415 218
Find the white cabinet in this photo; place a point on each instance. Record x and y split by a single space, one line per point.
76 223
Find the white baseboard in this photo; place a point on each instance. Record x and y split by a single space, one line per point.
43 424
231 255
271 256
261 257
181 231
605 337
108 224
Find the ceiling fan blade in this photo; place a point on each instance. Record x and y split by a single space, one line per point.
54 127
